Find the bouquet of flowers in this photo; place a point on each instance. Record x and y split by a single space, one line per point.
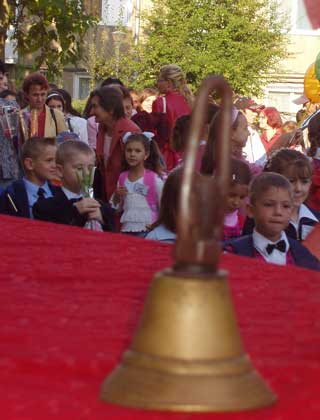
86 180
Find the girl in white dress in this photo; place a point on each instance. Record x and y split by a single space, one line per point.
139 187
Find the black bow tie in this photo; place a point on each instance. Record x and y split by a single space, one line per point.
280 246
41 193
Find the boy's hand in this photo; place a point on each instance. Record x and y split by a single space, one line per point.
96 215
87 205
118 194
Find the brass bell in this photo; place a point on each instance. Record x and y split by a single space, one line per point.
186 354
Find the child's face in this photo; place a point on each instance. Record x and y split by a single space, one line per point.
240 134
272 212
127 105
300 186
72 169
135 153
55 104
236 197
135 99
43 168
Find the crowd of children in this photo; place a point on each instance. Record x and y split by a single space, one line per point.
273 200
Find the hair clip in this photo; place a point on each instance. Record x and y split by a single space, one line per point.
126 136
234 177
149 135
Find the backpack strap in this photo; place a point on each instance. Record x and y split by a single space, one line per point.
122 178
53 115
69 125
149 179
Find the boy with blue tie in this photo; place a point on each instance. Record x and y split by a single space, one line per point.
68 206
38 158
271 204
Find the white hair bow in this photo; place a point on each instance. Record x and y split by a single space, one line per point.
147 134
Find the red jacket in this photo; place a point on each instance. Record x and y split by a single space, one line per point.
176 106
110 172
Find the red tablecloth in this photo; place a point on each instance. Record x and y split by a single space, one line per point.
70 300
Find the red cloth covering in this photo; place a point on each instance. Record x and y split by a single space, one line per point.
70 301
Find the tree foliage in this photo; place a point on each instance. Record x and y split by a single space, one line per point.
53 30
242 39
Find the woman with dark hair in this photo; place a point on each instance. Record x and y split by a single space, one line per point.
75 123
271 124
107 107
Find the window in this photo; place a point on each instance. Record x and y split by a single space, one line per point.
297 15
81 86
117 12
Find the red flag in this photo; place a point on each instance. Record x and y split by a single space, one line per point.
313 12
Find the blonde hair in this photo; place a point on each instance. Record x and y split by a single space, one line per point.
175 74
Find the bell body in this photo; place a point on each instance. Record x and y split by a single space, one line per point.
187 354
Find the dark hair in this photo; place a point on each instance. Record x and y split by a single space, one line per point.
69 147
273 117
3 69
266 180
35 146
239 172
57 97
111 100
68 103
153 162
285 161
180 133
314 134
7 92
126 93
170 201
111 81
21 99
34 79
144 94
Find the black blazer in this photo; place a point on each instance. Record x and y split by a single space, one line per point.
59 209
19 196
301 255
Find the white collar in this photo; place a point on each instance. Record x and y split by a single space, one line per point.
71 195
304 211
260 243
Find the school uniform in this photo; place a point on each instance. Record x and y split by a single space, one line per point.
286 251
61 209
307 220
20 196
